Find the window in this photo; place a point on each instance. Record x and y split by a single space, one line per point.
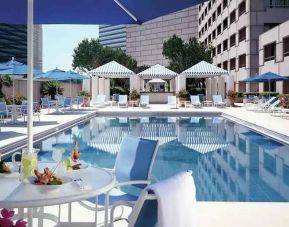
210 38
206 11
200 34
225 45
200 21
214 34
219 10
232 63
242 34
232 16
219 29
219 65
242 61
242 8
268 26
210 5
206 27
233 40
206 42
270 52
225 3
210 21
225 23
286 46
219 48
225 65
214 52
214 16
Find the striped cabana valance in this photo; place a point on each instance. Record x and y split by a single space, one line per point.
204 70
157 71
112 70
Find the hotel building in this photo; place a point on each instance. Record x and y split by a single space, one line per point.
145 42
232 28
13 43
113 36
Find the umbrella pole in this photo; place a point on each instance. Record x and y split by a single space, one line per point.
30 75
70 87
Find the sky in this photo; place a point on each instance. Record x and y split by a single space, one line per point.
59 42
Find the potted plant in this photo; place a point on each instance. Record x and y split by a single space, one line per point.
86 98
284 99
182 95
231 96
133 95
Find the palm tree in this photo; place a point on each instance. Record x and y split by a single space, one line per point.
5 81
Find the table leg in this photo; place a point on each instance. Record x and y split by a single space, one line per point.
106 203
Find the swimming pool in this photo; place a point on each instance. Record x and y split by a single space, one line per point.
229 162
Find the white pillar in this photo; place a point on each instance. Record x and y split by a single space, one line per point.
142 85
107 88
261 87
181 82
230 83
101 86
208 88
86 85
214 86
134 82
172 85
221 86
94 88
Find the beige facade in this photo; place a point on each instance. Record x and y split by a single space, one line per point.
232 28
145 42
274 55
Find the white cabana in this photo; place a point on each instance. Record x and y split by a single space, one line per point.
156 81
157 71
100 78
208 71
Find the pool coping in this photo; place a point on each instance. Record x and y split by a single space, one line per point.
259 129
12 147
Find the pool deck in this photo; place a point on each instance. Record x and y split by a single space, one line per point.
209 214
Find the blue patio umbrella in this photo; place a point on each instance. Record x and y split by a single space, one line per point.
80 12
14 69
61 75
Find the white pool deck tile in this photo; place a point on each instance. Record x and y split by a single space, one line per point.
209 214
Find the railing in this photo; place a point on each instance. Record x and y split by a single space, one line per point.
277 3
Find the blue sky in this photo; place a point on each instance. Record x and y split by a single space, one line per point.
59 42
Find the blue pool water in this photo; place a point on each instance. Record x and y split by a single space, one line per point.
229 162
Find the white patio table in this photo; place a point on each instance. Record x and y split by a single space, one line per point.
14 194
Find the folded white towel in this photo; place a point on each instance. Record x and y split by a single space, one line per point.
176 201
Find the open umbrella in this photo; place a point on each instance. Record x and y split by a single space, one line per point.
61 75
14 69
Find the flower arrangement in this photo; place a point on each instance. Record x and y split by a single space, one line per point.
183 93
134 95
5 219
284 99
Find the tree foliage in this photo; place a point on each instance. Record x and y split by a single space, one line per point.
90 54
182 55
5 81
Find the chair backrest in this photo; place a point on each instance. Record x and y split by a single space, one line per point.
45 101
195 99
135 159
145 211
24 107
217 98
3 107
115 97
276 103
144 99
122 98
271 100
202 97
172 100
67 101
79 99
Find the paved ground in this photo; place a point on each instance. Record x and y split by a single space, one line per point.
223 214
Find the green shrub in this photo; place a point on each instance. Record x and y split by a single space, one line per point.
183 93
134 94
83 93
17 99
197 91
266 94
118 90
239 94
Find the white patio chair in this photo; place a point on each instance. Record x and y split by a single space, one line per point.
172 101
195 101
144 101
122 101
218 101
100 101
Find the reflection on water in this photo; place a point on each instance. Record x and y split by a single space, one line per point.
229 162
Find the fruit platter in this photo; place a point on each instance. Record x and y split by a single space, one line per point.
4 168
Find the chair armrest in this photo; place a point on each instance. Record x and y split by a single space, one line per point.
126 183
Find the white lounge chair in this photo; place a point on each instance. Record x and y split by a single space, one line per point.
144 101
172 102
218 101
260 105
195 101
122 101
100 101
